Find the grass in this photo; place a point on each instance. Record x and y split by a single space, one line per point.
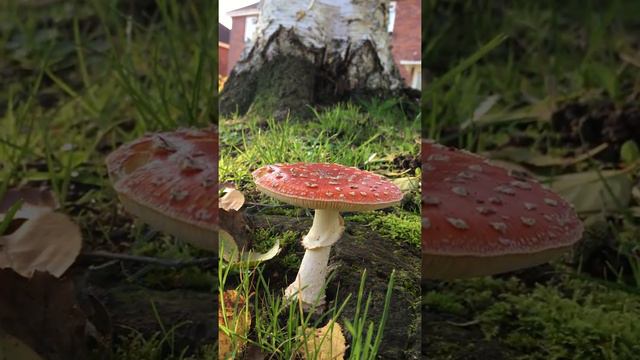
286 339
511 97
79 79
368 135
538 59
344 134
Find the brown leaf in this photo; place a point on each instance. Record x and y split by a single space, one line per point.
42 312
232 200
40 239
326 343
12 348
32 196
234 322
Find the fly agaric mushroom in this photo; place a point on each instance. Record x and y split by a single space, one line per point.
168 180
329 189
480 219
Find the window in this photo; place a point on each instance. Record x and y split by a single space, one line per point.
416 79
392 16
250 24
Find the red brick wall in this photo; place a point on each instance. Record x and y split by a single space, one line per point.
407 35
236 42
223 60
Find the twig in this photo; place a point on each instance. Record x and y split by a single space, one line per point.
150 260
464 324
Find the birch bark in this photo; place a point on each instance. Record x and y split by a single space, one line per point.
310 52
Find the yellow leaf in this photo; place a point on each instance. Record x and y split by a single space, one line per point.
326 343
234 322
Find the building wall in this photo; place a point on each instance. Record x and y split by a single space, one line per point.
236 42
407 35
223 60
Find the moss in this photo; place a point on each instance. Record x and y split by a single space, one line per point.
409 282
403 227
265 238
361 218
576 318
444 302
285 211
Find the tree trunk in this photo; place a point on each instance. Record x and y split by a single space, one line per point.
313 52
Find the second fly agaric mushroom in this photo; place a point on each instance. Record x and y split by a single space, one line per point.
329 189
169 181
481 219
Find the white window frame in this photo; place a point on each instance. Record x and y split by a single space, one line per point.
416 78
249 35
393 6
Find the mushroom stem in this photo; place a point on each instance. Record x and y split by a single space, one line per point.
308 286
327 228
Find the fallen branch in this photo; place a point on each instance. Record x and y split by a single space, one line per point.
174 263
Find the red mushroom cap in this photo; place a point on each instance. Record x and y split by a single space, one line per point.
168 180
481 219
327 186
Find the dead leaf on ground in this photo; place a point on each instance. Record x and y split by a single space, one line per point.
533 158
232 200
326 343
37 238
13 348
234 322
238 257
33 196
593 191
43 313
540 111
407 184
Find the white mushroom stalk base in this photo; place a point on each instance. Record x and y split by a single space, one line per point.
308 286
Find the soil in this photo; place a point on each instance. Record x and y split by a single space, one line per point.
593 122
407 162
359 249
189 313
129 305
446 336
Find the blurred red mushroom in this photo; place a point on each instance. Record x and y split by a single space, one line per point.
169 181
329 189
480 219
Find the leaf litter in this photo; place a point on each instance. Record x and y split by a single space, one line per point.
40 312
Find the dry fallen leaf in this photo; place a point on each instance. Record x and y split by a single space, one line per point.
237 257
326 343
593 191
38 238
234 321
407 184
232 200
30 195
13 348
44 314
